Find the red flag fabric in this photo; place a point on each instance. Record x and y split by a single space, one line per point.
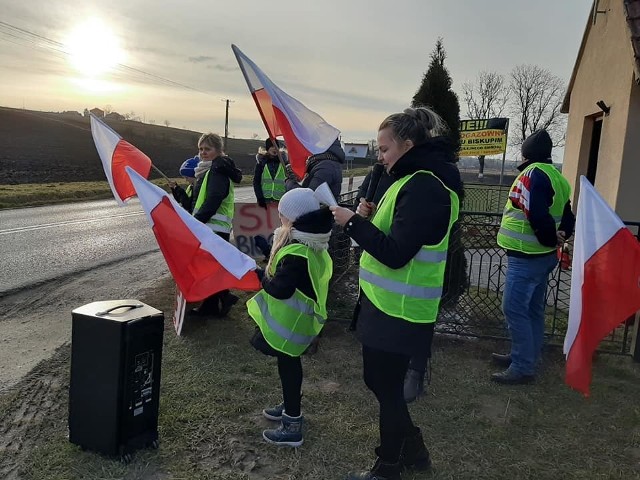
304 131
605 283
116 154
201 262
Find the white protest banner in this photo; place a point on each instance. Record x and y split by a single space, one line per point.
251 220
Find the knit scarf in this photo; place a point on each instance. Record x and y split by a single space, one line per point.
202 168
283 236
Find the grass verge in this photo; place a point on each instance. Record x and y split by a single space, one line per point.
214 386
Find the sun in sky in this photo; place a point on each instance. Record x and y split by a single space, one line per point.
93 48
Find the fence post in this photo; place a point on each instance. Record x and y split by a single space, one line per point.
635 341
350 187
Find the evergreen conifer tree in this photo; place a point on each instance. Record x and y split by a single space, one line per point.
435 92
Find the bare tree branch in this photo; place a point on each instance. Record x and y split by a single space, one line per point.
487 97
537 95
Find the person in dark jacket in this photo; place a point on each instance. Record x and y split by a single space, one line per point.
269 175
537 219
323 167
294 291
213 205
402 273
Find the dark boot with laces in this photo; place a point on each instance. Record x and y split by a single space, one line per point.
414 453
274 413
381 470
289 433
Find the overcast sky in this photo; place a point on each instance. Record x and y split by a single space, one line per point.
351 61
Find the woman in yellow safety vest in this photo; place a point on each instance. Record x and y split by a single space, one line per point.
290 310
213 197
405 240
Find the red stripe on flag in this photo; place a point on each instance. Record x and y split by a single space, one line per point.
196 272
126 155
610 295
296 152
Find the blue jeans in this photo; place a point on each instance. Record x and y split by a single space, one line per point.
523 304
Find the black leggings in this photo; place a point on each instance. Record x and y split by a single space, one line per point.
290 371
384 374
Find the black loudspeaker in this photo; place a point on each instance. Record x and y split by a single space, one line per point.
114 393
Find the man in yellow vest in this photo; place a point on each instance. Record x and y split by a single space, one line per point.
269 175
537 218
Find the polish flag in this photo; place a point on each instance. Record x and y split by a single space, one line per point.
201 262
305 132
605 283
116 154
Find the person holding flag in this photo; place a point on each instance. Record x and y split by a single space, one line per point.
291 308
269 175
321 168
537 219
213 197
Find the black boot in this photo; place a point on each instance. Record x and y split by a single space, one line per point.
414 453
413 385
228 301
380 471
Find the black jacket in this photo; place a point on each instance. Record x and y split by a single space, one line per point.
324 167
180 195
222 170
540 200
383 185
292 271
421 217
272 163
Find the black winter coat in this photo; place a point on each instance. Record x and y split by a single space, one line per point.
262 162
383 185
421 217
222 170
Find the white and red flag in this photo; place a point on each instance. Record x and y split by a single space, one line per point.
201 262
305 132
116 154
605 283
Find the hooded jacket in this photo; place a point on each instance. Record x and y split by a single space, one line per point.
222 170
421 217
323 167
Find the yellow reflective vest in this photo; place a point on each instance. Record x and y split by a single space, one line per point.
273 187
413 291
290 325
223 218
515 230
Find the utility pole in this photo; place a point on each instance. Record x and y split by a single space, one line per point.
226 120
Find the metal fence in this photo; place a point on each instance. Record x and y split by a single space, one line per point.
475 310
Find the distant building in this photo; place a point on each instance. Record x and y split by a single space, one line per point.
97 112
71 113
114 116
603 103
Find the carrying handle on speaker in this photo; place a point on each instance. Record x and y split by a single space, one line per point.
126 305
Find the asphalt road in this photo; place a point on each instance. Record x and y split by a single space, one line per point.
40 244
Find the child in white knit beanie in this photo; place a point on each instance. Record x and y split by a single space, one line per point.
290 310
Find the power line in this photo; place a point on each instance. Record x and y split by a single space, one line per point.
34 40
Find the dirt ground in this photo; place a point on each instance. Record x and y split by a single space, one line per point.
35 331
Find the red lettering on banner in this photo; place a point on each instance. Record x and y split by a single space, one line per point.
248 214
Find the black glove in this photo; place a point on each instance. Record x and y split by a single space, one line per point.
260 273
262 202
290 173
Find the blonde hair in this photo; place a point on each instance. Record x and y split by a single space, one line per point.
213 140
281 238
415 124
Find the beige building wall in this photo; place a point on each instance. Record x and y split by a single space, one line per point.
605 72
628 199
